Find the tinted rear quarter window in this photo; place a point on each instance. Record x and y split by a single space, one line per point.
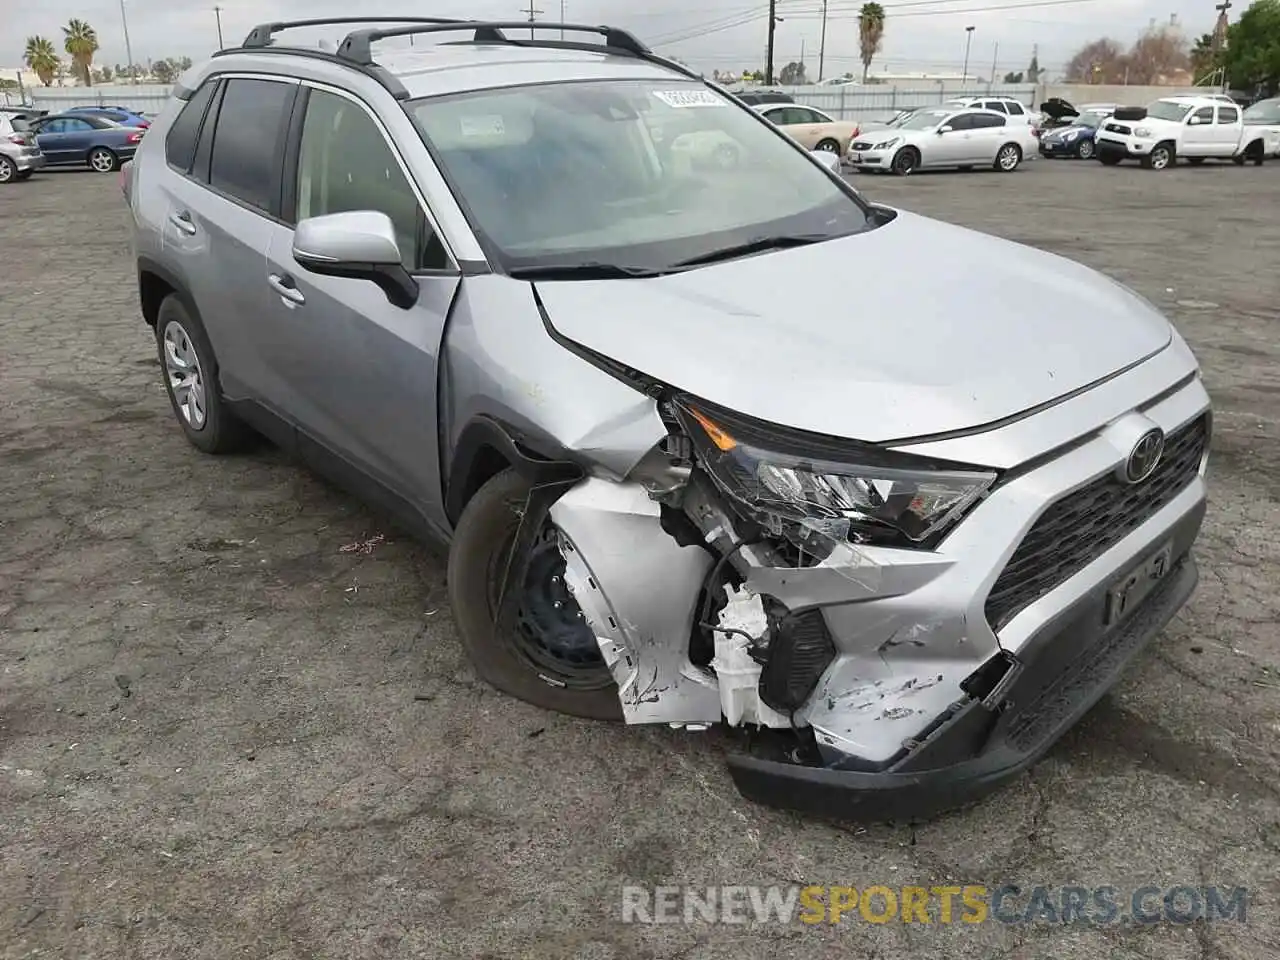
1015 109
180 144
248 143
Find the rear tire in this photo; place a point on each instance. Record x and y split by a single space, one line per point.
193 388
828 146
102 160
1008 158
7 170
477 563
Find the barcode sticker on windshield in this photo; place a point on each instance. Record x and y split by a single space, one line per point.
484 126
689 98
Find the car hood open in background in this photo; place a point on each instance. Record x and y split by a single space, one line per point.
915 328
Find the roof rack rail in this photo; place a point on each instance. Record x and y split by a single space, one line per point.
262 35
356 47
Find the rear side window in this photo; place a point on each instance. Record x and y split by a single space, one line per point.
981 120
248 143
1228 114
180 144
1015 109
962 121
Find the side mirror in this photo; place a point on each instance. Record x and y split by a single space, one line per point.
828 159
359 245
944 129
1195 121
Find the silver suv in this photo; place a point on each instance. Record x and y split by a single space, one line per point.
510 291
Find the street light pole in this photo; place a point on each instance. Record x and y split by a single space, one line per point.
968 41
128 49
217 12
822 44
773 22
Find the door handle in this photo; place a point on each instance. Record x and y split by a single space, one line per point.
183 222
283 284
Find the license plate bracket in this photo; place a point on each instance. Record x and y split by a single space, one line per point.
1127 593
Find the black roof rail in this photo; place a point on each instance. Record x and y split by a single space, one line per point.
356 47
263 34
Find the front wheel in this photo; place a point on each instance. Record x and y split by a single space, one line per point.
905 161
549 657
1008 158
1084 150
102 160
1160 157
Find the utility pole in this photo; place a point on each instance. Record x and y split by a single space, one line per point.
128 50
968 41
822 44
533 15
768 57
562 19
995 60
217 12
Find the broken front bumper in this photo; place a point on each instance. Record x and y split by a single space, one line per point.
975 750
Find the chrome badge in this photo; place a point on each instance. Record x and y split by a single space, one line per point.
1145 456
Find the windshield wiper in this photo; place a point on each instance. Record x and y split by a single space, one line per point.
756 245
583 271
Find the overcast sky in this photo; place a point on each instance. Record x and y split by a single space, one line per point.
723 34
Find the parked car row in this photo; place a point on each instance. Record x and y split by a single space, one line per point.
89 137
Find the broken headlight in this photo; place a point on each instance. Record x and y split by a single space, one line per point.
819 486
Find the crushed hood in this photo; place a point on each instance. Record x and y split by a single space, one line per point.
915 328
1057 108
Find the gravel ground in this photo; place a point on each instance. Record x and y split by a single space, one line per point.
224 731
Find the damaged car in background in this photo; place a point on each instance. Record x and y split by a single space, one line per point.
900 548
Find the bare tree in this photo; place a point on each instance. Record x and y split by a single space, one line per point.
1100 61
1158 54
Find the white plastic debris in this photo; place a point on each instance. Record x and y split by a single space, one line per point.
742 622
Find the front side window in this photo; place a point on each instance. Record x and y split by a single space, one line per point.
641 173
345 164
1204 115
248 142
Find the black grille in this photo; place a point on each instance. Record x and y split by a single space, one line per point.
1083 525
1119 128
801 650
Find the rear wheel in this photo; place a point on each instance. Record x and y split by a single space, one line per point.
1084 150
1008 158
102 160
828 146
905 161
549 656
7 170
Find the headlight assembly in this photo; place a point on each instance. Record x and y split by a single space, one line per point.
795 488
886 144
1142 132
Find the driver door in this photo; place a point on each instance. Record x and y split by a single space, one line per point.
358 372
953 146
1197 134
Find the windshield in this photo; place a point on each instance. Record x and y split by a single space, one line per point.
635 173
1264 111
923 119
901 118
1089 119
1167 110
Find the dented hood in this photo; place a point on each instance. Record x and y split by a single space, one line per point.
915 328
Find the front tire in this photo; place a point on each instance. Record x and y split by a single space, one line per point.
191 380
1085 150
905 161
549 657
1160 157
102 160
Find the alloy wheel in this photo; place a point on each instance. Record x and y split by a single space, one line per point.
6 170
1159 158
102 161
1008 157
186 380
1086 150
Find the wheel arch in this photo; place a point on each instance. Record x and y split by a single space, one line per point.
155 282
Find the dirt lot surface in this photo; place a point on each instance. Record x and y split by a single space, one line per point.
227 732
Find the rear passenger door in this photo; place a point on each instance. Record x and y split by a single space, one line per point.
357 373
223 203
1226 131
989 135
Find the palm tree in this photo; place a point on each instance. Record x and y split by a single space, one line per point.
42 57
870 34
81 42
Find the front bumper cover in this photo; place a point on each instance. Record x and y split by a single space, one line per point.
975 750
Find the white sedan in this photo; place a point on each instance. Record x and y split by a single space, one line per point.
945 137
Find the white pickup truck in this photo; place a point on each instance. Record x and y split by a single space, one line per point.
1194 129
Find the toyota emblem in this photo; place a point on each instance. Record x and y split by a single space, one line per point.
1145 456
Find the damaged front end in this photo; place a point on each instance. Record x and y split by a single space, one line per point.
823 596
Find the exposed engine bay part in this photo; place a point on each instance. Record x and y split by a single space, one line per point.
639 590
741 645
